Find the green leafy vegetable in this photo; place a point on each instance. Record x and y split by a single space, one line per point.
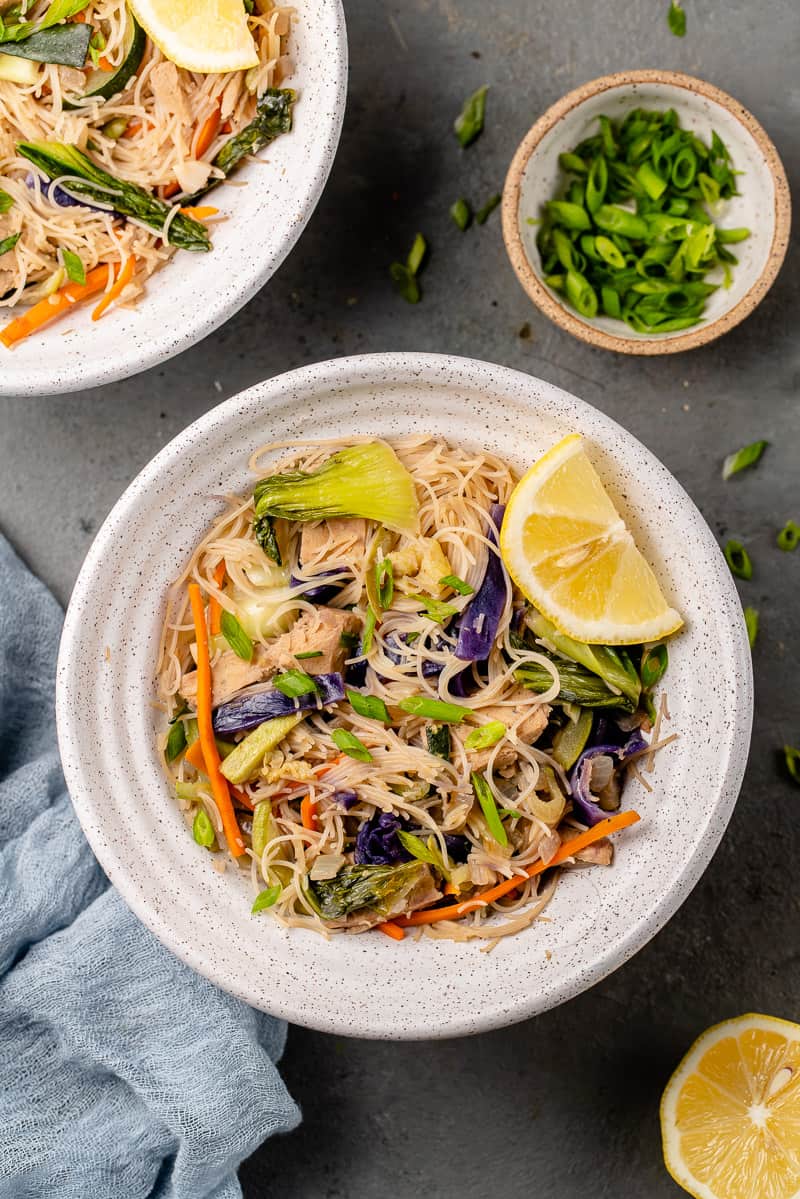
751 621
612 665
236 637
245 760
747 456
437 738
457 584
264 533
76 272
653 666
676 19
380 888
88 180
6 202
63 46
203 829
351 745
791 757
371 706
294 683
8 243
424 851
176 740
577 685
433 709
365 480
484 796
461 214
483 214
436 609
488 734
738 560
469 122
789 537
266 898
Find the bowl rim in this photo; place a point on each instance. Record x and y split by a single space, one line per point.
217 307
564 317
334 375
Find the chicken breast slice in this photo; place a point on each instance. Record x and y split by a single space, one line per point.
341 539
319 633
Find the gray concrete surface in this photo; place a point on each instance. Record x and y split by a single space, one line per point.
565 1105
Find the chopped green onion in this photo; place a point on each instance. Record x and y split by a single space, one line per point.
433 709
751 621
8 243
405 282
176 741
484 796
456 584
384 582
789 537
469 122
416 254
371 706
436 609
115 128
202 828
309 653
581 295
6 202
651 181
488 734
614 219
429 853
726 236
791 757
503 813
653 666
483 214
266 898
461 214
676 19
571 216
369 628
738 560
747 456
596 184
351 745
236 637
294 683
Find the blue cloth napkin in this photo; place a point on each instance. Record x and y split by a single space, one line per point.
122 1072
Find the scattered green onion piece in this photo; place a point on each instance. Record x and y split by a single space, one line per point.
731 236
369 628
429 853
294 683
436 609
789 537
651 181
488 734
266 898
456 584
791 757
8 243
738 560
202 828
676 19
351 745
747 456
653 666
433 709
581 295
417 254
405 282
176 741
596 184
384 582
469 122
483 214
484 796
371 706
461 214
309 653
504 813
6 202
115 128
573 163
236 637
751 621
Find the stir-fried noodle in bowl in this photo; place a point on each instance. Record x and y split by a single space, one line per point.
367 714
106 169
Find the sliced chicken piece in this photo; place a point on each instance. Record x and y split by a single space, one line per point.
599 854
228 674
341 539
321 632
528 732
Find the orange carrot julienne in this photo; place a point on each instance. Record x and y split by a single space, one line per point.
132 129
308 812
200 214
105 64
391 929
171 189
611 825
207 132
56 305
219 784
194 756
214 606
449 889
113 293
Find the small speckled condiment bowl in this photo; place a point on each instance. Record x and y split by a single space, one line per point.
369 985
764 205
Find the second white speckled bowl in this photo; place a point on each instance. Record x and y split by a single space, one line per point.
368 985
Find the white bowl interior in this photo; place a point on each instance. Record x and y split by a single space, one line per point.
543 180
368 985
194 293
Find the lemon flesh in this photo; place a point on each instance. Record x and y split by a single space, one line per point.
569 552
209 36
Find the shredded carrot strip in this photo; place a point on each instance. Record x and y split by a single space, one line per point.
122 280
214 606
449 889
132 129
194 756
207 132
104 64
612 825
200 214
171 189
226 127
308 812
219 784
391 929
56 305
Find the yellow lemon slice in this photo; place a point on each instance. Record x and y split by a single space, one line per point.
210 36
568 550
730 1116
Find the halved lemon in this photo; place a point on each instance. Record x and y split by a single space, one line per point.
210 36
568 550
730 1116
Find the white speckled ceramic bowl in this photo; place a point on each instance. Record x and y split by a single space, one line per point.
195 293
369 985
764 205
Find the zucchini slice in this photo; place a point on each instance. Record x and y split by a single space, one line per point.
100 85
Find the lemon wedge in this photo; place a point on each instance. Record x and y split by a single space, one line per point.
730 1116
568 550
210 36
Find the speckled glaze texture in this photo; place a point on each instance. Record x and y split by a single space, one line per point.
195 293
368 985
764 205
